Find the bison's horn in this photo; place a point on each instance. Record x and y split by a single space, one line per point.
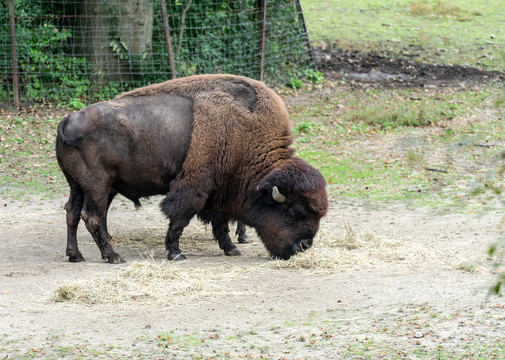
276 194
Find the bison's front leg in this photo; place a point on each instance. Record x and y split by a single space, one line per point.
221 233
180 205
172 239
242 235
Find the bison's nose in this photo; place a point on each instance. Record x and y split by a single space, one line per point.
305 244
302 245
292 249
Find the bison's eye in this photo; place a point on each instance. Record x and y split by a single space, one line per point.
291 216
297 212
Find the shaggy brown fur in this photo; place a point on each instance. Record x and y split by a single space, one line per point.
218 144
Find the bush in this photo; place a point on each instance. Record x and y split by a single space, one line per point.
47 69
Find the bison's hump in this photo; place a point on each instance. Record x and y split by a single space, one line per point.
242 92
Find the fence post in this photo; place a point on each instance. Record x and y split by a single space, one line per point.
15 80
167 38
306 35
263 9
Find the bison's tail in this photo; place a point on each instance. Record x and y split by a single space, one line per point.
60 135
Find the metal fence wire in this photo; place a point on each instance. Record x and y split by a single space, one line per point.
93 49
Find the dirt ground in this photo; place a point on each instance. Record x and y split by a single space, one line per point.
414 311
435 308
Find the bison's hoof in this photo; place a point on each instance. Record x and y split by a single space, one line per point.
243 239
114 259
233 252
76 258
176 256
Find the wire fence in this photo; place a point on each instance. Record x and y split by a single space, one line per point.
87 50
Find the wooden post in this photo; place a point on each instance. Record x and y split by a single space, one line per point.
306 35
15 79
263 9
168 38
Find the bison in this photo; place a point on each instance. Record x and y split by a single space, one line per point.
218 146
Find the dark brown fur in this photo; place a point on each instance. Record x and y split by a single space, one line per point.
216 144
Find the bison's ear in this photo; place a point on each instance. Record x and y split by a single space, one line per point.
273 178
273 187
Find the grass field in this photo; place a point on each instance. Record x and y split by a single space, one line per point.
437 146
461 32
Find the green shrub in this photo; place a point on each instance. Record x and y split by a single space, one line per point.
314 76
47 69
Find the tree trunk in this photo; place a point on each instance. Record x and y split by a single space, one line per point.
135 24
109 33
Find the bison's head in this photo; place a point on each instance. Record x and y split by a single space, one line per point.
289 204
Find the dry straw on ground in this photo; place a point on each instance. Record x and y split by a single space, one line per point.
168 283
151 282
332 253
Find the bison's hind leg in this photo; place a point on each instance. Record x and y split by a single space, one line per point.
73 208
94 214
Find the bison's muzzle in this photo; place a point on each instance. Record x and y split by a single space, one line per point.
299 246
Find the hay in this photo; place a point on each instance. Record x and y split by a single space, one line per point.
363 251
196 237
150 282
170 283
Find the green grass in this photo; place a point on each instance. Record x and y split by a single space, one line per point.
27 156
465 32
372 110
354 176
410 144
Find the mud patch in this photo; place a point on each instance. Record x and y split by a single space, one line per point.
389 70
